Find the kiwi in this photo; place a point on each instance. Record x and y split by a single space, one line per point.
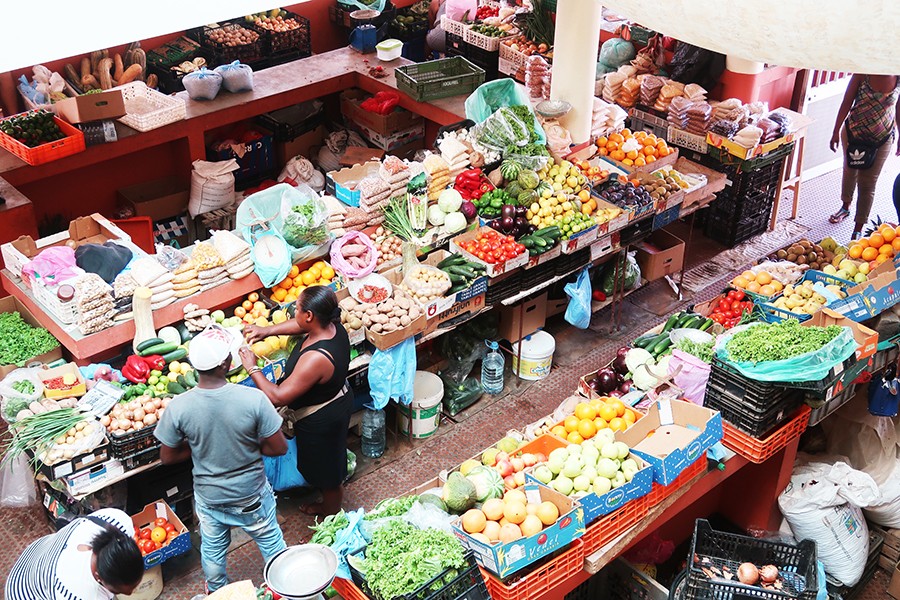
781 254
806 244
791 256
814 265
796 249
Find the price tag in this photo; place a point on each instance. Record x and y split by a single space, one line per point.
63 470
665 413
533 496
171 492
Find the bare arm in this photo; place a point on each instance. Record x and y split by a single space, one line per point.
844 110
897 123
312 368
254 333
274 445
171 456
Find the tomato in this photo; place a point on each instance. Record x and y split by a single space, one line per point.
172 535
145 534
520 248
160 522
147 546
736 306
724 304
157 545
169 527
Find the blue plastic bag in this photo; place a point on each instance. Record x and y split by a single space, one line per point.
493 95
392 373
578 313
281 471
348 540
270 272
376 5
202 84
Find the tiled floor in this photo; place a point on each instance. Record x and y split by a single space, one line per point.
406 465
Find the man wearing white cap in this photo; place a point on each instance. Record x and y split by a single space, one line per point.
225 429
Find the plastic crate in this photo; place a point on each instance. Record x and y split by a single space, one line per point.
731 233
660 492
258 159
148 109
73 143
246 53
611 525
131 444
732 209
439 78
636 232
541 579
710 548
65 313
760 450
170 82
685 139
457 28
455 44
481 41
413 29
489 60
532 277
140 459
293 40
720 156
466 584
347 589
566 263
291 122
506 288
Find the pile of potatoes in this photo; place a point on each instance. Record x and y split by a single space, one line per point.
232 35
385 317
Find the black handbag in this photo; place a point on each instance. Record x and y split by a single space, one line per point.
860 154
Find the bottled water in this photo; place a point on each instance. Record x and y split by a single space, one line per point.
492 370
373 435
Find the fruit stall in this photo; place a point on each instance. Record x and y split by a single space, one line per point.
440 223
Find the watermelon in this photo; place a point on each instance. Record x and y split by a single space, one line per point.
528 180
544 186
510 169
488 483
526 198
514 189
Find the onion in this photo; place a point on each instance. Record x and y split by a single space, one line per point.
768 574
164 403
157 402
125 424
748 574
150 419
150 408
128 414
113 425
139 414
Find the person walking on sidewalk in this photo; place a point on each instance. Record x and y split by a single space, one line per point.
865 129
225 429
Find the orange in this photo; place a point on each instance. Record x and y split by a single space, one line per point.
316 271
627 161
574 438
280 294
603 152
626 133
876 240
662 152
749 275
610 146
309 277
869 254
896 243
639 161
766 290
571 423
602 141
856 251
618 405
864 242
763 278
327 273
646 141
607 412
514 512
618 424
587 429
287 283
777 285
585 411
629 416
741 282
295 270
616 137
754 287
649 149
886 249
651 159
158 534
617 155
881 258
600 423
632 154
560 431
247 305
888 233
547 512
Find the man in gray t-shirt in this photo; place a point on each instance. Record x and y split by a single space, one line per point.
225 429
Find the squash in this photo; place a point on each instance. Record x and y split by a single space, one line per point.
143 316
104 72
131 73
119 67
139 57
152 81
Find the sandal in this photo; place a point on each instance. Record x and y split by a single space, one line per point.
839 216
313 510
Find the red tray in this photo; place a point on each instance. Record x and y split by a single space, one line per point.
73 143
759 451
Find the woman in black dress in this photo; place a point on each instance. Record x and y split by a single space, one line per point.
315 390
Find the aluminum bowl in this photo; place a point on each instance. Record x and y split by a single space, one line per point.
299 572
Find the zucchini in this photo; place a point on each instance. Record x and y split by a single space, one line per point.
454 278
155 341
694 322
706 325
453 259
177 354
175 388
660 347
644 340
461 271
163 348
670 323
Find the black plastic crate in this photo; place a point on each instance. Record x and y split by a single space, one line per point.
718 157
170 82
251 53
753 424
455 45
467 584
758 395
711 549
140 459
130 444
566 263
731 233
291 122
734 210
489 60
415 49
636 232
408 25
506 288
532 277
290 41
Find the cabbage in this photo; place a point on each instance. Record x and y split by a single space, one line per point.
435 215
450 201
455 221
637 357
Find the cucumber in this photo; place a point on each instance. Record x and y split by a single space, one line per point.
660 347
670 323
528 242
644 340
706 325
453 259
454 278
694 322
552 232
177 354
180 380
163 348
540 242
683 319
149 343
191 378
462 271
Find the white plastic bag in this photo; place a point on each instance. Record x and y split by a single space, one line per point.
869 442
887 512
236 77
212 186
17 484
13 400
203 84
822 503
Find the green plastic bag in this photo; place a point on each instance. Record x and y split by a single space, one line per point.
494 95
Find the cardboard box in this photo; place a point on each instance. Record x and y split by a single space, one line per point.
79 463
383 341
342 184
539 259
12 304
665 161
158 199
873 297
505 559
660 255
865 337
894 587
671 436
301 145
440 305
397 120
92 107
556 306
523 319
78 389
94 228
460 312
715 181
494 269
393 140
93 478
582 239
179 545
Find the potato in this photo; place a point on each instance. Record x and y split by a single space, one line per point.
405 320
376 328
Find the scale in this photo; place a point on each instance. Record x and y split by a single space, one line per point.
364 35
301 572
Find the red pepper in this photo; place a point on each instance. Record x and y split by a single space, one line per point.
132 374
154 362
137 366
486 187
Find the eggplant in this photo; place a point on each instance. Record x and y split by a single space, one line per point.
494 224
625 387
507 224
618 364
521 211
521 225
606 380
531 229
508 210
468 209
615 394
622 351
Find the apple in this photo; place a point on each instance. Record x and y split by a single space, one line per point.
563 485
543 474
573 466
606 468
517 464
540 457
505 468
560 454
619 480
510 482
622 450
581 483
519 478
601 486
610 451
574 449
218 316
489 458
529 459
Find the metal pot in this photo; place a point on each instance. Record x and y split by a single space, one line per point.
301 572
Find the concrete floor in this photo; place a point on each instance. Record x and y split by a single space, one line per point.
406 464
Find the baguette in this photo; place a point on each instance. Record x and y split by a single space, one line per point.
104 68
85 67
152 81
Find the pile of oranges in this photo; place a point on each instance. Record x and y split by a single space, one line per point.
643 150
590 417
288 290
879 247
761 283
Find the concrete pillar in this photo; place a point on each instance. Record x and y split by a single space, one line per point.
575 62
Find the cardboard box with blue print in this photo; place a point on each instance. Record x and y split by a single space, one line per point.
179 544
671 436
505 559
443 304
873 297
342 184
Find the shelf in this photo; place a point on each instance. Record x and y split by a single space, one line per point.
106 483
84 347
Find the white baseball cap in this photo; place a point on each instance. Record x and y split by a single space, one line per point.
209 348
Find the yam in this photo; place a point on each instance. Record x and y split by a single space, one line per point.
131 73
352 249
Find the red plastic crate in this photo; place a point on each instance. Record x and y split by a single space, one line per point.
541 580
347 589
661 492
612 525
759 451
73 143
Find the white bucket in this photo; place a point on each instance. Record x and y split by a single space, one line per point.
428 391
150 587
537 356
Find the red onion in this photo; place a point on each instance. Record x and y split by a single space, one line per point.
768 574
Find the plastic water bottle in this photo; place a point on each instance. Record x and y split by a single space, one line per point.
373 436
492 369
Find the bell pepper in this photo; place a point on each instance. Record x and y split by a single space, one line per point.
135 370
154 362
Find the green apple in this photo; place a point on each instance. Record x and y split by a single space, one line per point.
574 449
610 451
543 474
606 468
560 454
563 485
601 486
831 270
572 467
581 483
622 450
555 465
864 268
218 316
860 277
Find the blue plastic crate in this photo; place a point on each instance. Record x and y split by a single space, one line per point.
666 217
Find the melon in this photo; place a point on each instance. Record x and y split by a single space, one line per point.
487 481
434 500
526 198
458 493
528 180
514 189
510 169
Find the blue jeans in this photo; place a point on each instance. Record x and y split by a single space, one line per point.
215 531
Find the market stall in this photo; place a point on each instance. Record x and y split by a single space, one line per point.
445 210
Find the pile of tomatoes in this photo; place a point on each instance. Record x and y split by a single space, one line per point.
492 247
155 535
730 308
